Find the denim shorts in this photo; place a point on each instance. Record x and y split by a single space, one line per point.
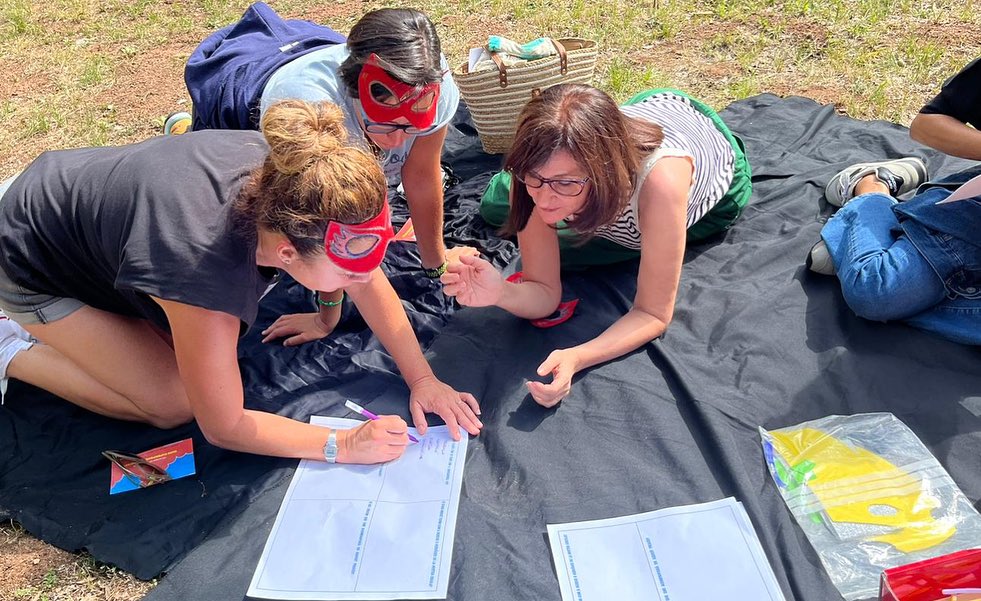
27 307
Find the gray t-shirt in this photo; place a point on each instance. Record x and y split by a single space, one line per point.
316 76
112 226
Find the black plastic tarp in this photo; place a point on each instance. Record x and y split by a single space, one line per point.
757 340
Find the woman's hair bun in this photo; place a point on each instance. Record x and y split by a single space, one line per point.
300 133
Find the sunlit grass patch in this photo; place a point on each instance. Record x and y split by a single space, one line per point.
94 71
624 79
41 121
16 18
97 72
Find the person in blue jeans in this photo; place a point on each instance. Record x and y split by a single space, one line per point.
916 261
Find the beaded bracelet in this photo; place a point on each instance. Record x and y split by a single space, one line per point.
436 271
324 303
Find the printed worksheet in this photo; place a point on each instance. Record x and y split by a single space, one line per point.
691 553
367 532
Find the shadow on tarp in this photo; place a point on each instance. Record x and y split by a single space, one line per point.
756 341
54 481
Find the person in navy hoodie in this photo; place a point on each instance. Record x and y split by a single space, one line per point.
389 77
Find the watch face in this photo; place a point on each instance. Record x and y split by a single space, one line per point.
330 448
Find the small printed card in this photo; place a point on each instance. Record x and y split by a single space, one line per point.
176 460
407 233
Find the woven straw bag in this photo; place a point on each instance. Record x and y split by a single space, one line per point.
495 97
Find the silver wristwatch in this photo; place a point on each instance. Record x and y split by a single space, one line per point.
330 447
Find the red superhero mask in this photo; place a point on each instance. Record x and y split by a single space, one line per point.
562 314
359 247
398 99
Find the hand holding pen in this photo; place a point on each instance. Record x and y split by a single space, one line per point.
365 413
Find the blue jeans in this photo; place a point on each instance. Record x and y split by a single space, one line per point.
885 278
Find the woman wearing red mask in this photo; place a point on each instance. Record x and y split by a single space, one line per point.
138 289
389 77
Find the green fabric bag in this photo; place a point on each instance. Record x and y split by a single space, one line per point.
730 206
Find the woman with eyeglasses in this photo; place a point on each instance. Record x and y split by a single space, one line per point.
389 77
606 183
138 267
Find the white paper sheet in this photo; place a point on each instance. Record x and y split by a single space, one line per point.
367 532
691 553
968 189
475 56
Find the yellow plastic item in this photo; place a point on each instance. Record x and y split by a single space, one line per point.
859 487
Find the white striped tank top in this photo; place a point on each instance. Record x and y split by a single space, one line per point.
687 133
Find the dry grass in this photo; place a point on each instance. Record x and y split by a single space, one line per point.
93 72
90 72
34 571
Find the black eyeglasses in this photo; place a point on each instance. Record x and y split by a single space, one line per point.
386 128
137 470
563 186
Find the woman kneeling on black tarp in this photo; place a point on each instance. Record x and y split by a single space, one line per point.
137 268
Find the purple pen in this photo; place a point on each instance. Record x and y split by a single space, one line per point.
362 411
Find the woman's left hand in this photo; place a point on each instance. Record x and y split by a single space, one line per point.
299 327
458 409
473 281
562 364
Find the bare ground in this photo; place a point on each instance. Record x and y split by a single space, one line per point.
44 107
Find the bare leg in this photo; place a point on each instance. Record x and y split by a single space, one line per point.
44 367
870 183
113 365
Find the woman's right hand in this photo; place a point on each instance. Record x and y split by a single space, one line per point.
473 281
375 441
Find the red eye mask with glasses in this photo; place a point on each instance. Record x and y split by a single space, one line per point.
417 104
359 247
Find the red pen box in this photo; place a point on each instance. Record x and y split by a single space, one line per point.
953 577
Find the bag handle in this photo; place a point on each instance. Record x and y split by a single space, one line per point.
502 70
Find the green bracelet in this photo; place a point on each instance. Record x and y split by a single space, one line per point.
324 303
436 272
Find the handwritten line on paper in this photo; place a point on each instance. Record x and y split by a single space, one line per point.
366 533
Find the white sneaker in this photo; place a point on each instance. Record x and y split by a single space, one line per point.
899 175
819 259
13 339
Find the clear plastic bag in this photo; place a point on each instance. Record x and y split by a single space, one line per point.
869 496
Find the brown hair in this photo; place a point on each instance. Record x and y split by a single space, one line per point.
310 176
403 38
588 124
